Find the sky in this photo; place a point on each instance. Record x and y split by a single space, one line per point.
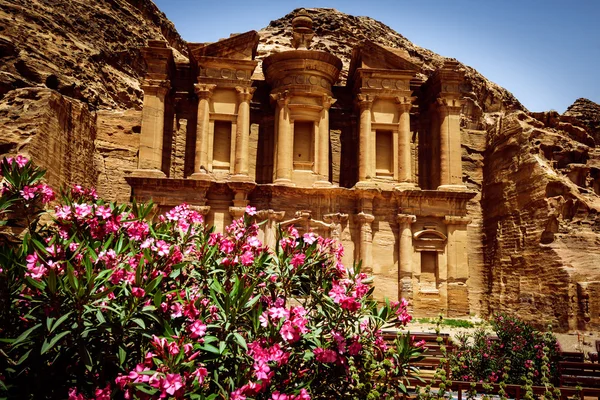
546 52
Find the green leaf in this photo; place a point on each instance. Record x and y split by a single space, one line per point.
140 322
60 321
122 355
25 334
37 284
240 339
210 348
48 345
23 357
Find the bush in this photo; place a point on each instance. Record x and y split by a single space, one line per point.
109 301
519 346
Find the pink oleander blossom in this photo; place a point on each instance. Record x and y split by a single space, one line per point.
298 260
197 329
172 383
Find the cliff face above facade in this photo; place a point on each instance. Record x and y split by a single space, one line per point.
70 98
86 50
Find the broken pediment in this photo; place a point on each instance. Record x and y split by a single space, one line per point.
374 56
237 47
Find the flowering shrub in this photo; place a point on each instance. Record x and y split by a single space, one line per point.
519 346
108 301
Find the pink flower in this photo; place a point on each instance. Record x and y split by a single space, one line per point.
162 248
173 348
237 395
303 395
261 370
102 394
20 160
138 292
47 193
355 348
280 396
226 246
325 355
200 374
309 238
247 258
278 313
298 259
198 329
172 383
250 210
264 319
73 395
289 333
28 193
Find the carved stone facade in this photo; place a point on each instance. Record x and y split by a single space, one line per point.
398 202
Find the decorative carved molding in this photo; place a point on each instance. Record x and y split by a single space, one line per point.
225 73
406 219
282 98
245 93
456 220
156 87
365 101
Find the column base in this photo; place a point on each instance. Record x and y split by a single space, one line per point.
202 176
322 184
284 182
365 185
452 188
147 173
406 186
241 178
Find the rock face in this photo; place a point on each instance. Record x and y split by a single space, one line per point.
70 98
588 113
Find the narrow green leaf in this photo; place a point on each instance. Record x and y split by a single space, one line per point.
23 357
140 322
60 321
48 345
25 334
122 355
240 339
210 348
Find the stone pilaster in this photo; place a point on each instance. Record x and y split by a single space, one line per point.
204 93
450 150
153 125
243 130
323 144
269 228
405 255
285 141
365 102
405 173
457 265
366 240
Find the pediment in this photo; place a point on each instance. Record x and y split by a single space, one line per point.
238 47
370 55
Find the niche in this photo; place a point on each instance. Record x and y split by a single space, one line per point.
304 145
222 146
429 271
384 143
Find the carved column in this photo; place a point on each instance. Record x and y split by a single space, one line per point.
365 103
366 240
457 265
336 221
404 147
405 255
450 150
285 141
323 153
270 227
204 93
243 130
153 125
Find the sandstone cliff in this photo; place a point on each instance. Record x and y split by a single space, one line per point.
70 98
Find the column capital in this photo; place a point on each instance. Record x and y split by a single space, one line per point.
202 210
328 101
364 218
365 101
335 218
237 212
456 220
245 93
271 215
406 219
452 105
404 103
204 91
282 98
156 87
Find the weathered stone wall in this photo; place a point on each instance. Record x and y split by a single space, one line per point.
56 132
